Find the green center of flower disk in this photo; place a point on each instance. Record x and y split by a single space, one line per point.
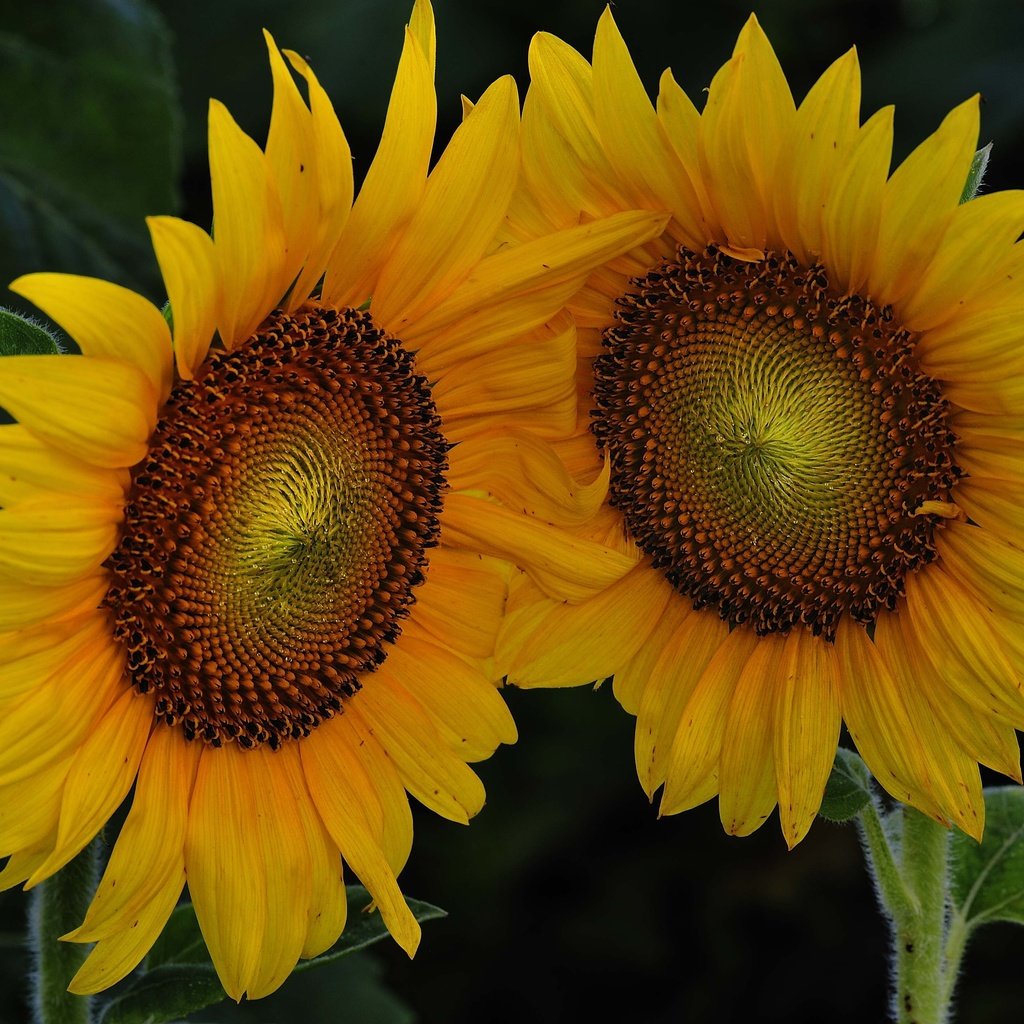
772 442
275 532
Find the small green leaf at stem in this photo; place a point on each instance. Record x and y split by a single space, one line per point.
988 877
976 174
179 977
848 789
20 336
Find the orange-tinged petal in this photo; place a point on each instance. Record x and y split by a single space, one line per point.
691 770
24 605
99 410
340 787
746 769
465 201
807 721
106 320
463 703
430 771
681 658
191 276
919 201
248 230
587 642
961 645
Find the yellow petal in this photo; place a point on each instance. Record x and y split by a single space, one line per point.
681 658
99 410
465 200
115 957
746 772
53 719
634 140
341 792
395 812
807 722
394 184
691 770
434 775
961 645
100 776
248 231
919 201
565 566
463 703
24 605
462 601
852 207
824 129
292 162
521 287
227 875
973 253
106 320
149 852
187 261
581 643
30 810
29 466
333 161
43 541
749 112
990 568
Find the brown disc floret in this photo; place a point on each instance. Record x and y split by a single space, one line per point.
773 443
275 531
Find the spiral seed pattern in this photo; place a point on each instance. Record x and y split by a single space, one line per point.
275 532
772 441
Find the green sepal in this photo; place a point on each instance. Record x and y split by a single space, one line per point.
976 174
20 336
988 877
178 977
848 789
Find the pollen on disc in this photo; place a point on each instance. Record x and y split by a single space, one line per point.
275 533
773 443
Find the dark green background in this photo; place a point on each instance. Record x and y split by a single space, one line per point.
566 896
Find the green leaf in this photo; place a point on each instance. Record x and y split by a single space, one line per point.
848 789
988 877
20 336
179 977
90 141
976 174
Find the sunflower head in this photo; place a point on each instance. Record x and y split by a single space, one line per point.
804 397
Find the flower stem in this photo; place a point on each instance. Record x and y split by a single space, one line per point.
57 906
909 861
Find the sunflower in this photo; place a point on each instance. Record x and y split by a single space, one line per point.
805 400
235 573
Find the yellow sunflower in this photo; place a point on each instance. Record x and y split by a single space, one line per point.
806 399
235 574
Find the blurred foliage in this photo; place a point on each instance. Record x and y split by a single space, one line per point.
566 896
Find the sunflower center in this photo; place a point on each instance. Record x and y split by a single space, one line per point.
773 443
275 531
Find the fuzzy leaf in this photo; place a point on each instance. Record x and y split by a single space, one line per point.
20 336
848 788
988 877
976 175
